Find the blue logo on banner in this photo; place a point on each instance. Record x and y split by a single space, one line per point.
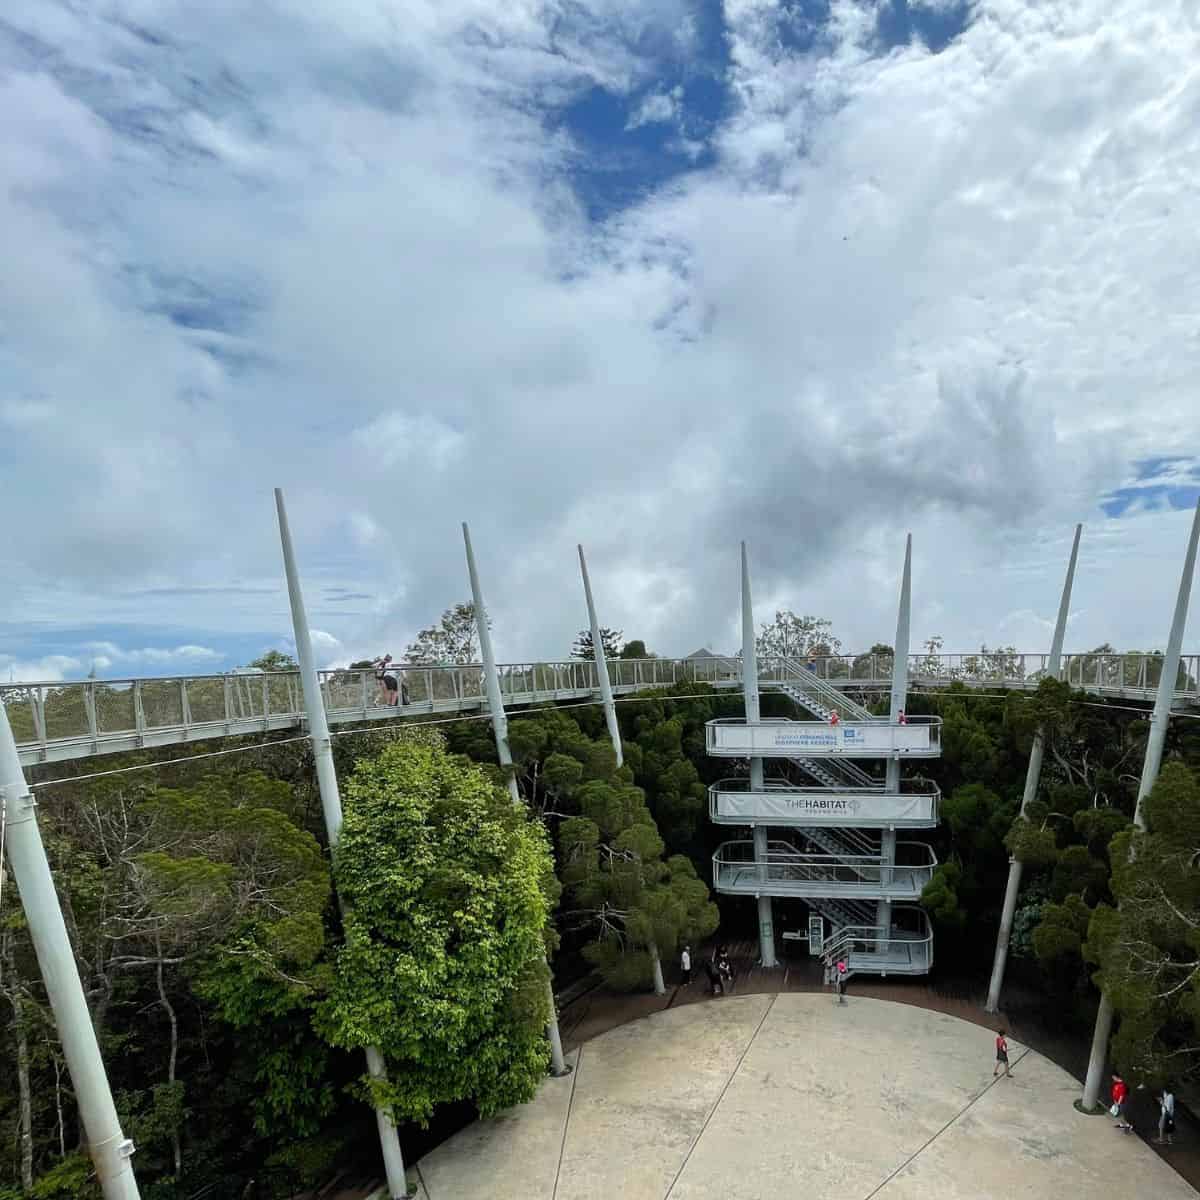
851 735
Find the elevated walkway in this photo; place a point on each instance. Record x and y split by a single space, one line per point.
55 721
781 803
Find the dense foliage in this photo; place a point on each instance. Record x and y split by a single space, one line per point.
448 888
232 997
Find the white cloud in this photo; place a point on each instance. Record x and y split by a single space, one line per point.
110 654
52 668
657 108
947 293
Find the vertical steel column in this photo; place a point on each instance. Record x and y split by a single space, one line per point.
108 1146
1032 777
610 709
766 916
883 910
331 807
491 676
1150 766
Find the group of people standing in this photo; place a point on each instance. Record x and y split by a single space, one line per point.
1166 1111
717 967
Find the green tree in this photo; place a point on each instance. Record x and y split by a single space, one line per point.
610 643
1148 948
790 636
638 905
274 660
636 649
454 639
448 889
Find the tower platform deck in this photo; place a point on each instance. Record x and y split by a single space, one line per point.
740 1098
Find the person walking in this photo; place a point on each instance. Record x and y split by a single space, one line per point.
715 986
1120 1102
834 719
685 965
1001 1055
380 666
1166 1117
724 969
839 981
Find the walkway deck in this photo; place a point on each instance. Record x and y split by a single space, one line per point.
57 721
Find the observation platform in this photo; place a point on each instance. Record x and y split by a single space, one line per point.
781 803
788 872
733 737
748 1097
55 721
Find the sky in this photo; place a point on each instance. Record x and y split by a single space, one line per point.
653 276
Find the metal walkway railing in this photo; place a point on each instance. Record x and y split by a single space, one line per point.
814 693
54 720
788 872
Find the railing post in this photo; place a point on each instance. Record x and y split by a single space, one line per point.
331 806
227 690
266 701
185 708
139 713
1150 767
110 1150
495 705
89 700
766 916
37 707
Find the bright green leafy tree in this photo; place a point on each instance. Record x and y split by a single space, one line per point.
448 888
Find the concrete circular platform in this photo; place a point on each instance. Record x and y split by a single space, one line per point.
757 1097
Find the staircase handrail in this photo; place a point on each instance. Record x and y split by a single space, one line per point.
810 681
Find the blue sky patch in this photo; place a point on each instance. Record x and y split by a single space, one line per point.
803 24
899 23
1160 495
632 144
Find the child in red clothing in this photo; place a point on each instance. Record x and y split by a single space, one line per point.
1120 1094
1001 1055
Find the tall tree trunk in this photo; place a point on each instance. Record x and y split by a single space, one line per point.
13 991
172 1057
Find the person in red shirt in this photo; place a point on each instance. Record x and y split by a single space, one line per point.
1001 1054
1120 1095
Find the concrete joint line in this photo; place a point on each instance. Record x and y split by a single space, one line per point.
712 1111
562 1149
921 1149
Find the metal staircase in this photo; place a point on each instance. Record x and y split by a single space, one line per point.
844 841
860 884
841 774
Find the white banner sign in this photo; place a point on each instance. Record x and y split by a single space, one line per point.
822 808
803 737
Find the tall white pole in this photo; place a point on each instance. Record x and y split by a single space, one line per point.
108 1146
766 915
331 806
887 840
610 709
491 676
1150 766
1032 777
